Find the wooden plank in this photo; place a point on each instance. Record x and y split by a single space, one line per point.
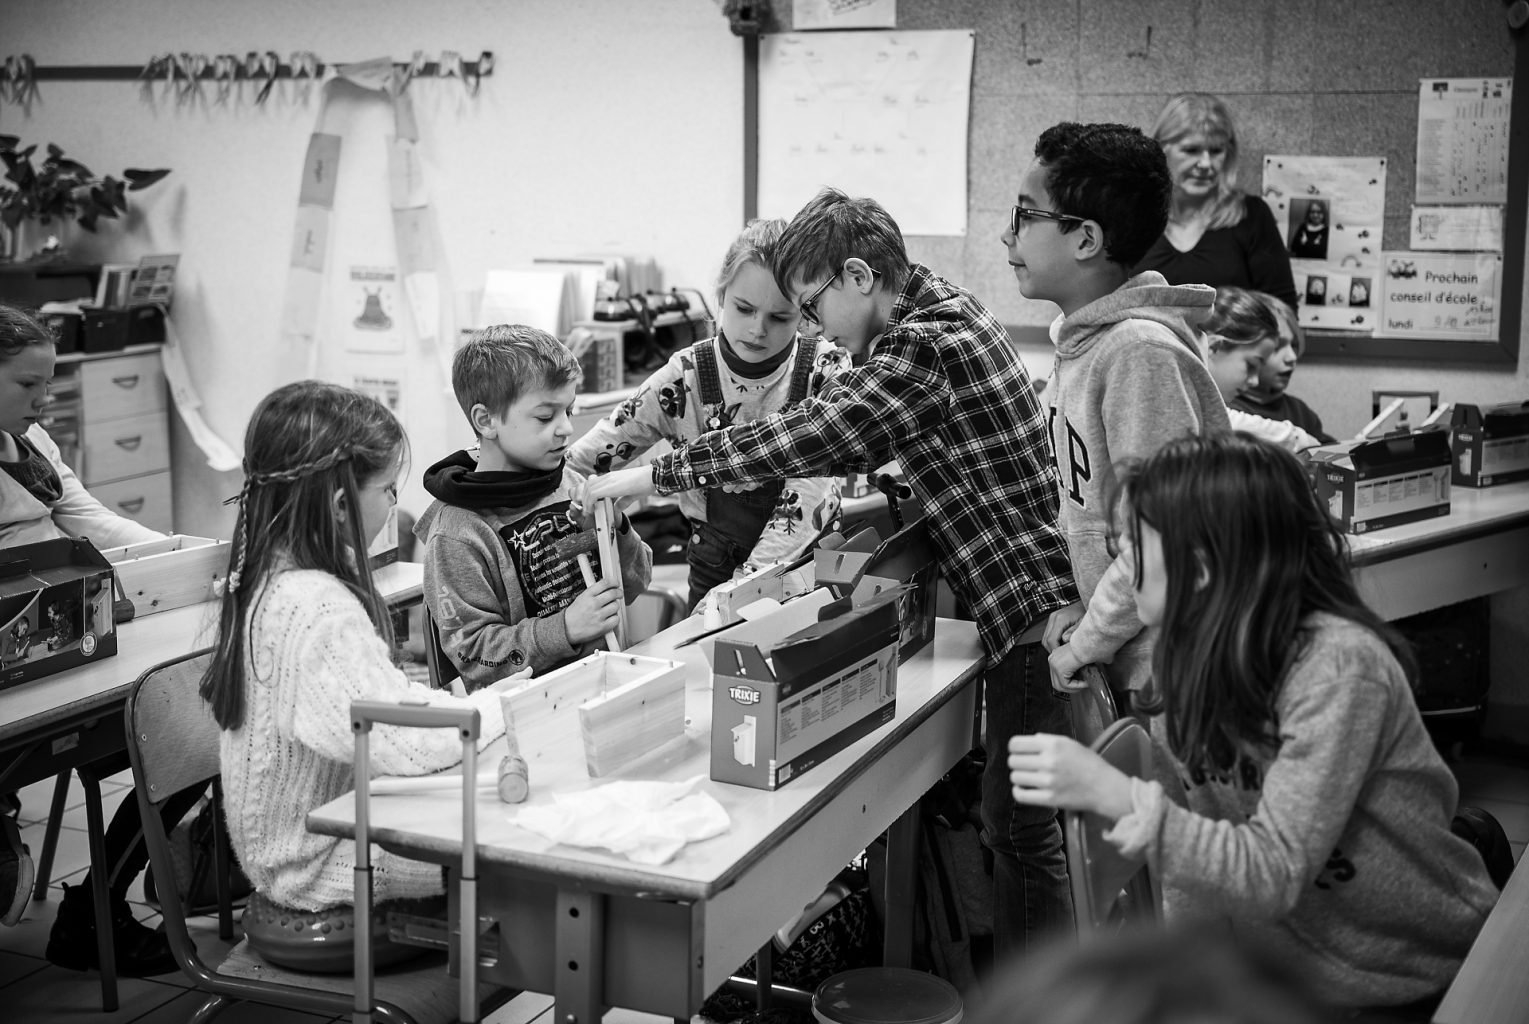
1492 986
171 573
633 720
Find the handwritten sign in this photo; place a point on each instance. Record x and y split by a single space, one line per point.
1440 295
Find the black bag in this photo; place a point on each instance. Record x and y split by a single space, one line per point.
191 847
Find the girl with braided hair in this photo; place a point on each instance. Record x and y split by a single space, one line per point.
302 634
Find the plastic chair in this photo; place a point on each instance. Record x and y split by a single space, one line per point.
172 742
443 672
1101 876
1092 709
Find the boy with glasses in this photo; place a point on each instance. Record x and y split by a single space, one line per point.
1128 375
941 390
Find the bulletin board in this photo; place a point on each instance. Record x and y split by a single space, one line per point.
1328 78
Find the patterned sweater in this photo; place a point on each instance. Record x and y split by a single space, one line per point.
312 650
668 407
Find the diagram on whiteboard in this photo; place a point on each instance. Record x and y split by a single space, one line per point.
878 114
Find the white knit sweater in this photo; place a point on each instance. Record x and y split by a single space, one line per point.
312 650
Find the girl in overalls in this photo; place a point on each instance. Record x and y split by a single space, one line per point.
756 365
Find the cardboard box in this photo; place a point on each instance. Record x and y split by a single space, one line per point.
1369 485
1490 444
178 570
862 569
55 609
784 700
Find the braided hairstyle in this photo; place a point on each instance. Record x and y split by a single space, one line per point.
305 442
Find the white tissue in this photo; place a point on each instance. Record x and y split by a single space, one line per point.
647 822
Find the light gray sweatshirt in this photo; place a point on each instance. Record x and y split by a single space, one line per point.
1128 378
1335 849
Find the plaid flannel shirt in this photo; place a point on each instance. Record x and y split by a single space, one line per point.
945 394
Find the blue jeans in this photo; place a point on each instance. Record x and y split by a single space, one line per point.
1031 896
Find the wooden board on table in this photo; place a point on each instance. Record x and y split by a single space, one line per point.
171 572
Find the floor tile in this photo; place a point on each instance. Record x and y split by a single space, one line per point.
15 966
250 1013
1484 780
29 936
71 857
55 995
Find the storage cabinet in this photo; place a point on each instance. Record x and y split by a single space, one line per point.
111 424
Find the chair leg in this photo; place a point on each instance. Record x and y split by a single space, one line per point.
210 1008
99 869
50 836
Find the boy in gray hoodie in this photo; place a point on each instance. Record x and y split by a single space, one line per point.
1128 376
501 597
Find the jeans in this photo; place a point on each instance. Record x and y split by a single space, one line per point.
1032 899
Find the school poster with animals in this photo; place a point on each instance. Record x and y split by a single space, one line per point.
1441 295
1331 211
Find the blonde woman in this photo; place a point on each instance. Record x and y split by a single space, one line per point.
1217 233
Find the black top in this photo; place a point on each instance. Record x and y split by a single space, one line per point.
1249 254
1284 406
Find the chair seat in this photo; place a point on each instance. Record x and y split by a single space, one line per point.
420 988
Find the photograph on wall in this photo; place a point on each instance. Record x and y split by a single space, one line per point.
372 297
1441 295
386 390
1331 211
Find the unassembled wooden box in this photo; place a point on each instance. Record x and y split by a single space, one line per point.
628 706
178 570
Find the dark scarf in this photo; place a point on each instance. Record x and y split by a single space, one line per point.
741 367
34 472
457 481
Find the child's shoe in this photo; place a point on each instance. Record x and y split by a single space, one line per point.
141 951
16 872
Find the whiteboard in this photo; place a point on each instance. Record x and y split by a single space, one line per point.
878 114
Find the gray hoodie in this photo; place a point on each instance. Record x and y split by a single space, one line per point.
1128 378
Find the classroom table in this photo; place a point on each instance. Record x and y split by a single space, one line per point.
72 719
1480 548
596 930
1492 986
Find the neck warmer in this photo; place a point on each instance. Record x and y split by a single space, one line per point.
33 471
741 367
457 481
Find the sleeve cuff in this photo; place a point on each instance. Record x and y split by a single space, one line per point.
1132 834
671 473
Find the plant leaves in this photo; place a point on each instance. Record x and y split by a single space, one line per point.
143 179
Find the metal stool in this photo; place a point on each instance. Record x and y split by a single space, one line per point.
886 995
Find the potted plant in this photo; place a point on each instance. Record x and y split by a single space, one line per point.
60 189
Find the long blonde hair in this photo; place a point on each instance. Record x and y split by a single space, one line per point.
1200 113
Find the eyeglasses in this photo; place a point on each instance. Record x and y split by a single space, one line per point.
809 306
1020 214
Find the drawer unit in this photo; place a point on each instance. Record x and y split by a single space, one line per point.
142 498
111 423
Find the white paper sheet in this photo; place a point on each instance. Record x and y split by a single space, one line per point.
1462 145
1441 295
538 297
808 15
878 114
188 403
1457 228
1331 211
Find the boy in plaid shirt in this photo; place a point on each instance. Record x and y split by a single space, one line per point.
943 393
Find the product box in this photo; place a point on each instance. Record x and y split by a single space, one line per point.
865 566
104 330
172 572
1369 485
784 700
55 609
1490 444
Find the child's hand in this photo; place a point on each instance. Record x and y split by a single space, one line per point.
1060 625
593 613
511 681
633 482
1065 666
1058 771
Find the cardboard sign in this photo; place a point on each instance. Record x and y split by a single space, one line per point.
1440 295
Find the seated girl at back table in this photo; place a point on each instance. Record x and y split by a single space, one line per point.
41 499
1310 808
302 633
757 364
1240 334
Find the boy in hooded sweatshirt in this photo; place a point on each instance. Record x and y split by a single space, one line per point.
1128 375
500 597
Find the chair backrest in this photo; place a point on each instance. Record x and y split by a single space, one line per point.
1101 875
443 672
1092 709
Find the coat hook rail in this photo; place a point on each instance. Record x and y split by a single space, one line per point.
230 68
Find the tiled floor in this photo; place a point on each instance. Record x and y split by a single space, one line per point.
33 990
